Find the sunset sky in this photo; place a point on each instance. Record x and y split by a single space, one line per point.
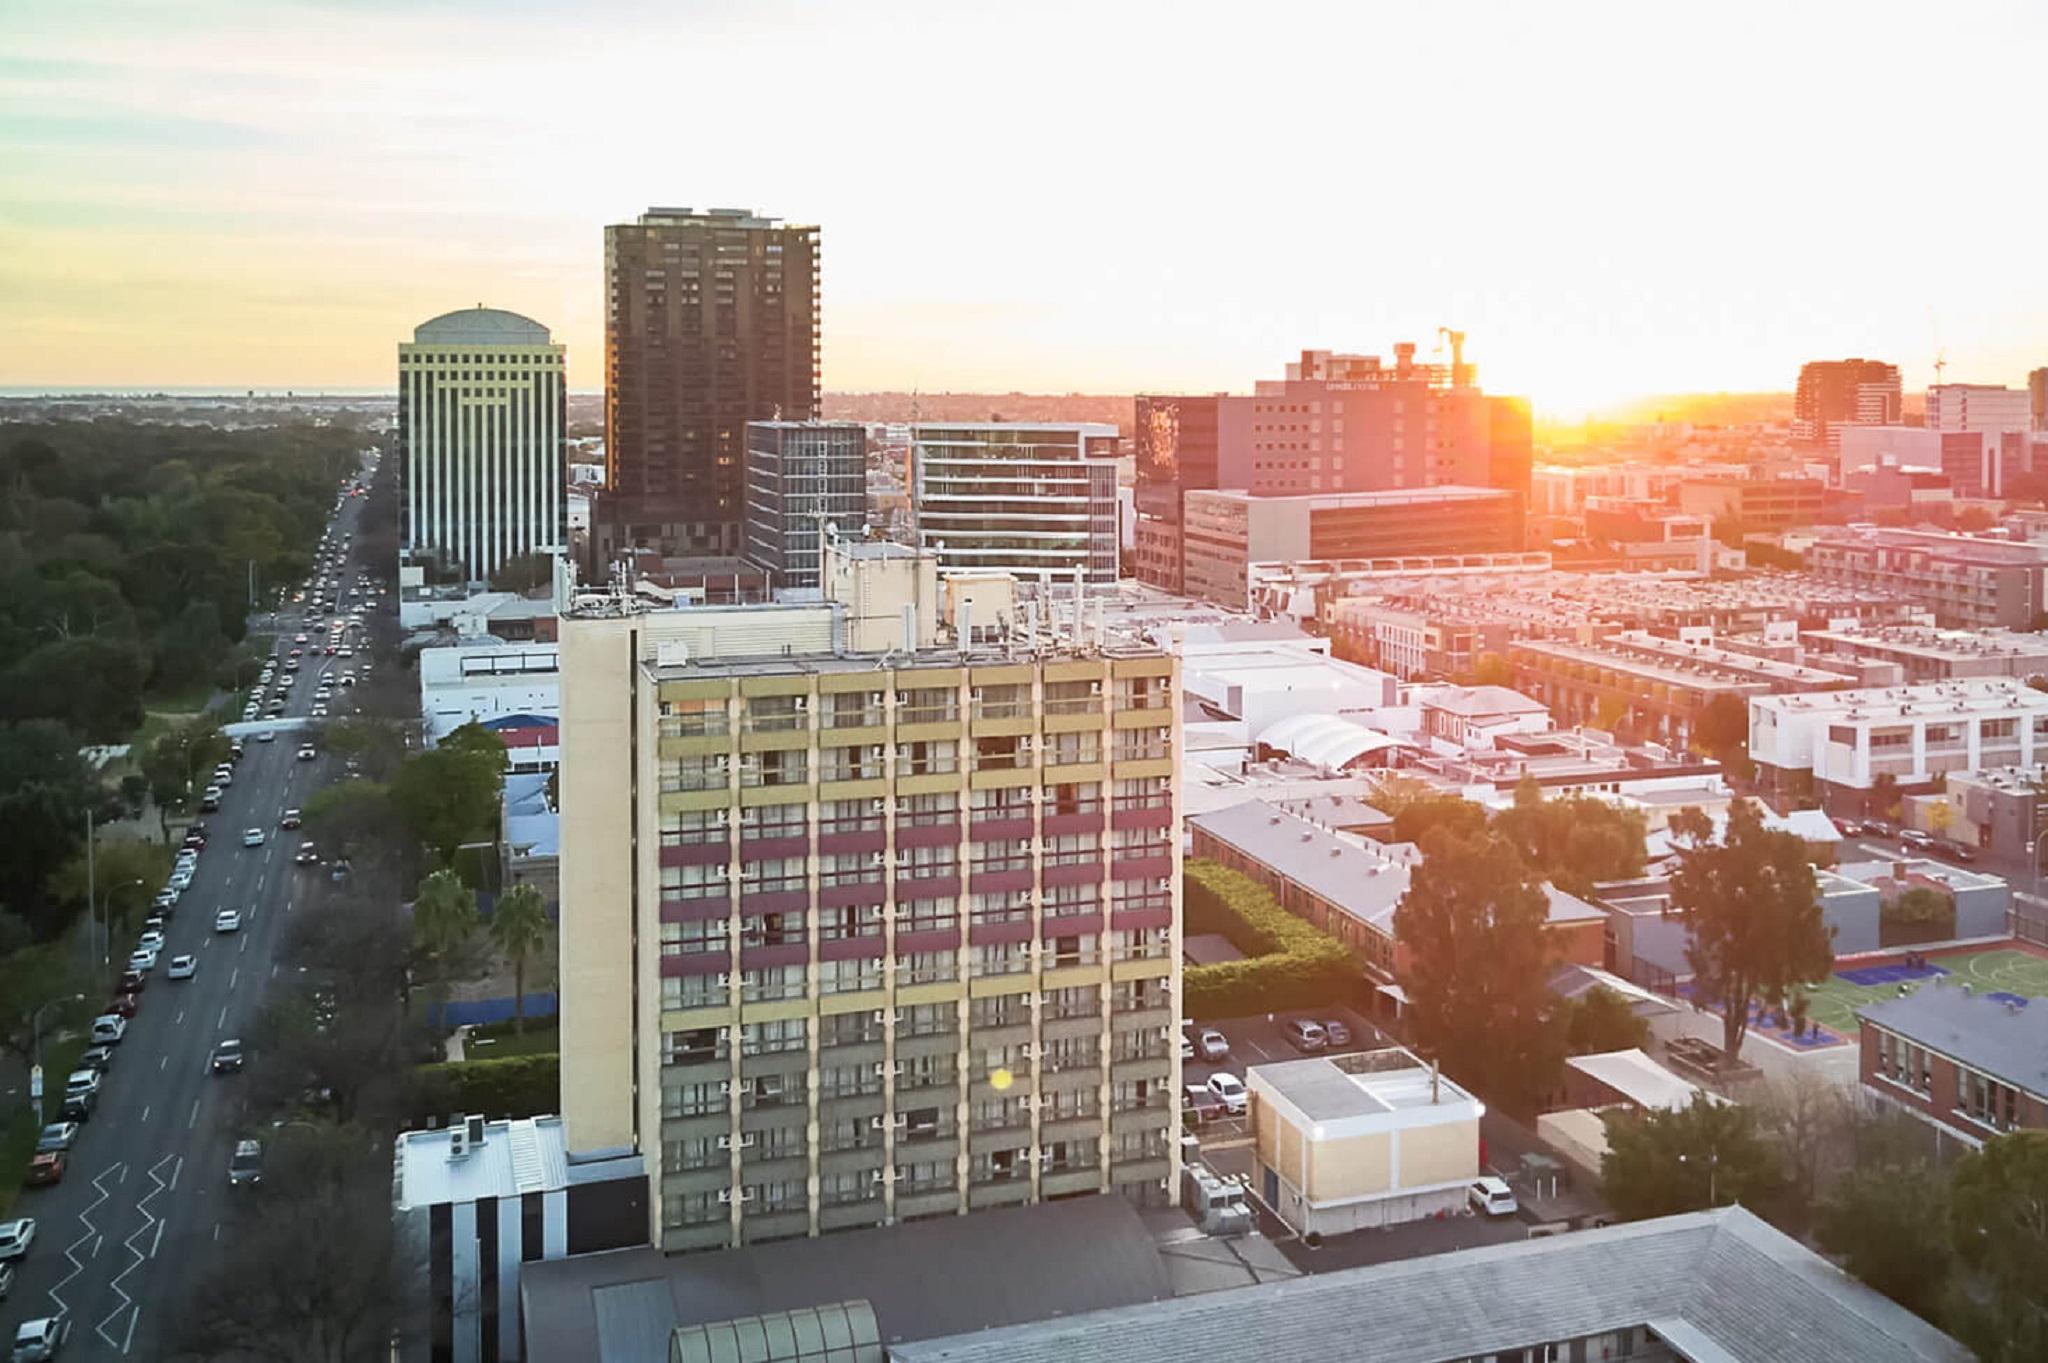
1612 200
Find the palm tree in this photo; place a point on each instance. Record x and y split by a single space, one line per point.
520 929
443 919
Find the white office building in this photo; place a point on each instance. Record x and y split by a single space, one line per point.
1914 734
1026 498
1978 407
482 411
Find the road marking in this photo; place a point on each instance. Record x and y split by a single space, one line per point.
146 1106
236 974
243 947
216 1230
273 970
164 1060
71 1250
179 1018
193 1120
223 1016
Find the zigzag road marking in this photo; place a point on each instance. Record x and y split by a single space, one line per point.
117 1172
152 1229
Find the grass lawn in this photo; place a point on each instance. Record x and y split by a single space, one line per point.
2000 969
18 1138
495 1040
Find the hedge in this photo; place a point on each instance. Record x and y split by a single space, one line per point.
517 1086
1289 962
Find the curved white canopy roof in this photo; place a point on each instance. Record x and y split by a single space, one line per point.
1326 740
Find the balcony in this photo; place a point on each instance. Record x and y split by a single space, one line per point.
1087 872
1071 821
999 1192
755 1169
698 909
844 1106
1056 1182
1150 1117
854 1160
777 1225
1004 824
696 853
933 1202
868 1211
941 834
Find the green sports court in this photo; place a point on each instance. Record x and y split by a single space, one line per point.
1999 970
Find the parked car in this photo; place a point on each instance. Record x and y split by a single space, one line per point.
209 800
183 967
1212 1045
57 1136
6 1280
1917 840
1306 1035
142 958
307 855
227 1057
1337 1031
245 1168
16 1236
1199 1105
77 1107
1490 1196
46 1168
1228 1090
100 1058
123 1006
36 1341
1956 851
150 941
1187 1047
133 982
108 1029
228 920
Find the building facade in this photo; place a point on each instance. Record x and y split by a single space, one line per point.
852 939
1225 532
1755 503
711 321
482 424
1965 581
1975 1066
1026 498
1840 742
1978 407
802 476
1837 393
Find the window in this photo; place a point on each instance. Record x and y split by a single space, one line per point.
773 1038
693 1100
696 1152
693 1047
927 1019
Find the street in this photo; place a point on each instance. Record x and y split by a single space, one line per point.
123 1239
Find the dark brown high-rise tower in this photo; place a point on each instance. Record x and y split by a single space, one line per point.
711 321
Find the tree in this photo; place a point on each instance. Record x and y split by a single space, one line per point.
1460 818
1809 1117
444 923
519 927
1756 929
1472 926
449 794
1660 1162
1393 792
1601 1020
1880 1220
46 791
349 817
1941 816
32 979
1884 796
378 748
1998 1222
1723 726
174 761
1575 841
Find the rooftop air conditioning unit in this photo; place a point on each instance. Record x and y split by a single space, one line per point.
458 1142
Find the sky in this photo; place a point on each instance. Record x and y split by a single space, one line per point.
1611 200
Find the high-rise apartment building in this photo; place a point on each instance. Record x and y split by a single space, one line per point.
1027 498
2037 398
482 420
1836 393
1978 407
1176 443
801 477
853 938
711 321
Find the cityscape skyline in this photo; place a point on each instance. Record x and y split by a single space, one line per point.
170 217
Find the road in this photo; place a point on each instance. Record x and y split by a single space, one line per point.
127 1235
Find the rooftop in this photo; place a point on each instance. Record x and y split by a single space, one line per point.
1717 1286
1480 700
1638 1078
2005 1040
515 1158
1920 868
1368 1084
1925 641
1993 695
1941 543
1338 501
480 326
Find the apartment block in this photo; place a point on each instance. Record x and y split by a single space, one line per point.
860 938
482 424
711 321
1027 498
1755 503
1925 654
1225 532
801 477
1978 407
1965 581
1839 742
1973 1065
1833 394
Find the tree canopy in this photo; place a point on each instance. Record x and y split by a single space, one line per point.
448 795
1660 1162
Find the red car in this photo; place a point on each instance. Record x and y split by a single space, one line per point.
46 1168
125 1005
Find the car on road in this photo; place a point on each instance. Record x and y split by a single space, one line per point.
36 1341
142 958
166 900
57 1136
183 967
1955 851
6 1280
1917 840
16 1236
228 920
267 736
152 940
306 753
318 711
307 855
1212 1045
1228 1090
209 800
124 1006
108 1029
227 1057
132 982
1187 1047
45 1169
252 837
181 879
1491 1196
100 1058
290 819
77 1107
1306 1035
246 1166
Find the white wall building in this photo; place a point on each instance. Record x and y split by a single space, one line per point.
1978 407
1912 733
1017 497
494 680
482 408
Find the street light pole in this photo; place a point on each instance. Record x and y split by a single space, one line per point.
106 910
35 1026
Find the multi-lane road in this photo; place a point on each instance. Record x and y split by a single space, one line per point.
138 1218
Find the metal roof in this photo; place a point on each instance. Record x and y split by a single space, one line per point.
480 326
1719 1285
515 1157
2005 1040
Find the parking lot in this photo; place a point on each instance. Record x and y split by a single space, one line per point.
1226 1141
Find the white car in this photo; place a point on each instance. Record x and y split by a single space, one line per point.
108 1029
1229 1091
16 1237
318 712
183 967
151 941
38 1340
306 753
1490 1196
252 837
267 736
142 959
228 920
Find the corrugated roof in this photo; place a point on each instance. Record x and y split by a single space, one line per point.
1733 1286
2005 1040
522 1156
1638 1078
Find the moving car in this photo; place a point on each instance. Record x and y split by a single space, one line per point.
307 855
16 1236
289 819
36 1341
1306 1035
1917 840
45 1169
1212 1045
1228 1090
246 1167
267 736
252 837
306 753
228 920
227 1057
108 1029
182 967
1490 1196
